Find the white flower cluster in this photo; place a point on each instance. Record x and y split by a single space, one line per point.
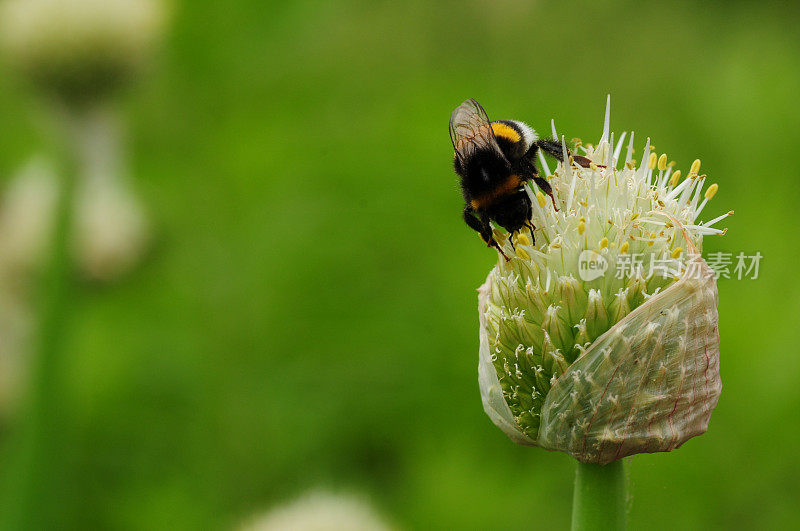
541 310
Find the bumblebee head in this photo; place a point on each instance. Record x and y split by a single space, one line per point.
513 211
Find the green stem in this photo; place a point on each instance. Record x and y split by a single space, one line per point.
599 500
36 465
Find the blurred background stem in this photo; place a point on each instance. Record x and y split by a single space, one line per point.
32 486
599 501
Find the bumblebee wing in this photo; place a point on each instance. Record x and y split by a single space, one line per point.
470 131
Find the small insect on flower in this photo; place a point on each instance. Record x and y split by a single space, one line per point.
494 161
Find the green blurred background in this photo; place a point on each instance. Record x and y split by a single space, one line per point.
308 318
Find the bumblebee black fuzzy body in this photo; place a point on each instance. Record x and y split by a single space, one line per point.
494 161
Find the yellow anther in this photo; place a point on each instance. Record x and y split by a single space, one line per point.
652 147
555 246
623 249
662 162
671 164
581 227
695 166
676 252
522 254
650 243
651 162
540 198
676 176
712 190
604 243
634 216
593 166
522 239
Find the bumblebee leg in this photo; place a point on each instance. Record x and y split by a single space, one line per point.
531 228
473 222
554 148
482 227
487 235
545 187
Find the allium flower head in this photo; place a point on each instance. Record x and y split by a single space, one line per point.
599 335
79 49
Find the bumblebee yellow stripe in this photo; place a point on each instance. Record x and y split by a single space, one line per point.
482 201
506 131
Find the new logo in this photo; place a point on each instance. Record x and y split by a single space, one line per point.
591 265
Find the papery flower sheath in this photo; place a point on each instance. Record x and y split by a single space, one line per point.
598 337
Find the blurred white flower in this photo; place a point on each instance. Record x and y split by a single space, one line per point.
80 48
80 52
320 511
27 209
110 233
110 237
111 230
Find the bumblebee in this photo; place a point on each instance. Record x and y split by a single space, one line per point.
495 160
